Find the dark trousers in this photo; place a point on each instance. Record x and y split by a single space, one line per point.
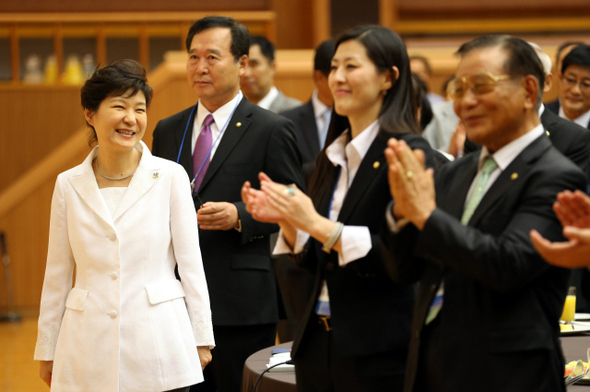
320 368
233 345
430 377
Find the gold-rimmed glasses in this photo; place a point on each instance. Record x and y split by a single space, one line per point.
481 83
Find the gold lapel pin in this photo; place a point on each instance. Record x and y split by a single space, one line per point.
376 164
156 175
514 176
239 124
547 132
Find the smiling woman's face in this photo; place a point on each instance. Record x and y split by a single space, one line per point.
355 82
119 121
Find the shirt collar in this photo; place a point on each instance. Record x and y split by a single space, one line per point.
582 120
269 98
220 116
339 149
318 106
505 155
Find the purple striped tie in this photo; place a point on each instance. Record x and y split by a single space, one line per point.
201 155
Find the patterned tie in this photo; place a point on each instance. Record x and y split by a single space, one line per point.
201 155
324 131
489 165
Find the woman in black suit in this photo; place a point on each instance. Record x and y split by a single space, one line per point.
356 326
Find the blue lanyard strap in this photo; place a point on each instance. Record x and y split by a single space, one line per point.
216 139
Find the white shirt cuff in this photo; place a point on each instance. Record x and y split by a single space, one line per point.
282 247
355 243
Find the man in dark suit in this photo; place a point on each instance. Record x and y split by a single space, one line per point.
574 87
313 118
259 77
242 141
486 299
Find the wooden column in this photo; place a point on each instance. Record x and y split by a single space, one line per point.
144 46
58 50
101 45
322 20
14 54
388 13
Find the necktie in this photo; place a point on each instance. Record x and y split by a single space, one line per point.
489 165
322 133
201 156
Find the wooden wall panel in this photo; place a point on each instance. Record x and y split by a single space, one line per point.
130 5
35 120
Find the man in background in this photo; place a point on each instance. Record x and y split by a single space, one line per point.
258 80
313 118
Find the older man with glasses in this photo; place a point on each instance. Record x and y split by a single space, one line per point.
487 311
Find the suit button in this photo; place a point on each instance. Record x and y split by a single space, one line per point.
330 267
113 314
114 275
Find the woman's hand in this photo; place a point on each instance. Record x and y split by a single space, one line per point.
294 205
46 371
204 355
258 205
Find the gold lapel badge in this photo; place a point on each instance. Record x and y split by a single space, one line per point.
514 176
376 165
239 124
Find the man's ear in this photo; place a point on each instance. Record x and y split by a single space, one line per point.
531 91
242 64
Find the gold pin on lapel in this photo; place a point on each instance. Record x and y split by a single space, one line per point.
514 176
547 132
376 164
239 124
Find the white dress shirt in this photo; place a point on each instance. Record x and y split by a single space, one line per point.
583 120
269 98
355 241
221 117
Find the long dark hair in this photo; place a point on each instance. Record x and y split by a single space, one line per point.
386 49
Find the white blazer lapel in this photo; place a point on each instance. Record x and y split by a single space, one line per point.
145 177
84 182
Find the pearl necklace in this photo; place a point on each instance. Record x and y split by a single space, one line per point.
114 178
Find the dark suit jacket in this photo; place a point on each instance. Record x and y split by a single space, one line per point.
554 107
306 130
369 312
569 138
501 302
238 266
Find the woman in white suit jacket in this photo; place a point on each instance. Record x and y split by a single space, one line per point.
122 220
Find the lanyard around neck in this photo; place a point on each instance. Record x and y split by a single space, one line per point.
212 145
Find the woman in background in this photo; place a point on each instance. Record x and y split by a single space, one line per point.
122 220
356 328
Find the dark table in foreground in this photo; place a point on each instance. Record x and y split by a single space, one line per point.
574 348
270 382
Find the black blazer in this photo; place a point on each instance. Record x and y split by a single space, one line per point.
241 281
306 130
502 302
554 107
369 312
569 138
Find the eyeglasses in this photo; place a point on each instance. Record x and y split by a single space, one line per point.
482 83
571 82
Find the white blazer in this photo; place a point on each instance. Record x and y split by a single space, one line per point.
127 324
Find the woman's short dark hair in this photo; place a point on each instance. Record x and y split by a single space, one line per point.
398 113
114 80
